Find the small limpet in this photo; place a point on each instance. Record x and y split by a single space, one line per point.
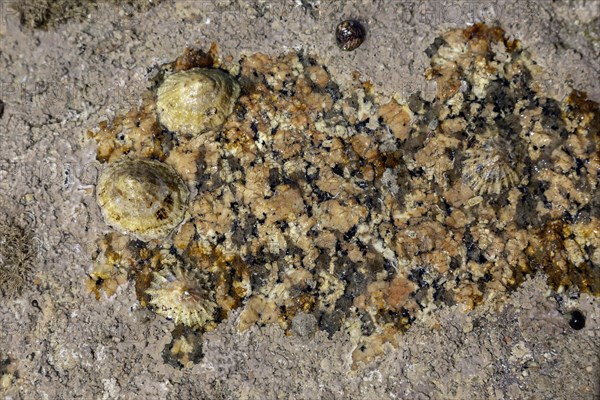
349 35
143 198
184 296
491 166
194 101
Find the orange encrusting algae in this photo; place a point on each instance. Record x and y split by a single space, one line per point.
369 212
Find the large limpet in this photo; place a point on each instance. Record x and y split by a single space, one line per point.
144 198
196 100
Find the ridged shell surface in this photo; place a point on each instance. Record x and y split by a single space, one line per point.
492 165
183 296
144 198
193 101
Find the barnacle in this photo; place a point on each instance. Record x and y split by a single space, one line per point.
491 166
196 100
185 296
144 198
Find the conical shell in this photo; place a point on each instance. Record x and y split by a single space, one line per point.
193 101
144 198
491 166
183 296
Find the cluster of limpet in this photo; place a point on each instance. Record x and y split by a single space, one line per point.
362 211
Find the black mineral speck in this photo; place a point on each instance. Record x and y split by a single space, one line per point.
435 46
331 322
577 320
349 35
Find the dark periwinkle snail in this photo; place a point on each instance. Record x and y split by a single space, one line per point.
349 34
577 320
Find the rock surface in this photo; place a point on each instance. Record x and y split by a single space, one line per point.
58 341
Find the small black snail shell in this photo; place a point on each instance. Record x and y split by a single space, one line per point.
577 320
349 35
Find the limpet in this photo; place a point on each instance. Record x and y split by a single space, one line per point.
194 101
184 296
143 198
491 165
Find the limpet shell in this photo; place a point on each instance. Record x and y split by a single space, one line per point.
143 198
185 296
193 101
492 166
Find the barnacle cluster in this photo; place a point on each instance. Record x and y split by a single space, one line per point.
364 211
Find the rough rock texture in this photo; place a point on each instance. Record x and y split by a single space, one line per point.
57 341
